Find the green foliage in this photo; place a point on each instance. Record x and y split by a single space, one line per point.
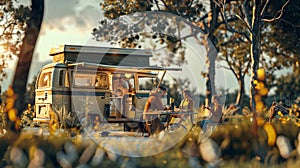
191 10
234 142
148 31
13 19
234 50
114 9
151 29
27 116
287 30
230 98
279 38
233 38
287 87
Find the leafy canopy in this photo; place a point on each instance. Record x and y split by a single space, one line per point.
13 19
128 25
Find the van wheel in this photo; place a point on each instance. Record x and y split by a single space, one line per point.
131 126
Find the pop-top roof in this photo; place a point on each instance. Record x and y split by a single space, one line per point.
101 55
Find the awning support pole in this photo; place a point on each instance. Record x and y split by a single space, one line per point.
162 78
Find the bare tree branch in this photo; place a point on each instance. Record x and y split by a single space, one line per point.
246 68
279 13
225 67
165 4
230 66
244 16
229 28
265 8
157 5
246 12
244 22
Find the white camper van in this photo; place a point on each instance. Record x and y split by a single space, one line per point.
86 80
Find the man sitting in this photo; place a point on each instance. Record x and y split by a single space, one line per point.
154 103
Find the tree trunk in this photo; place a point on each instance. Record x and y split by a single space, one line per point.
210 78
241 94
255 54
26 53
211 53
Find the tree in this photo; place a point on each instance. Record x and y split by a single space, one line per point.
27 49
281 38
285 25
287 87
234 51
252 14
192 11
13 19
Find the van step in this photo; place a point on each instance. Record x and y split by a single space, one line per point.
121 120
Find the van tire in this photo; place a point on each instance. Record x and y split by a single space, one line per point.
131 126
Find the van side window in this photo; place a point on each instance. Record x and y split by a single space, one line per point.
82 80
45 79
61 78
101 81
67 83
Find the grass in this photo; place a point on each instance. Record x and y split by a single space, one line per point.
235 144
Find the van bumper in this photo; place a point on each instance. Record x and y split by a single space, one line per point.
43 120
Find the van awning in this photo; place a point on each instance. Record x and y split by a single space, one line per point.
124 68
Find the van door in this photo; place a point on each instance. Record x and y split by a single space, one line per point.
43 91
65 84
90 94
144 85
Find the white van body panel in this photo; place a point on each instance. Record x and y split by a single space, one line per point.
88 87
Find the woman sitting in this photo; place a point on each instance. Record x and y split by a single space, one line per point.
186 105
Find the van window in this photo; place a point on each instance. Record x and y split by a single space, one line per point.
45 79
101 81
146 83
61 78
67 83
82 80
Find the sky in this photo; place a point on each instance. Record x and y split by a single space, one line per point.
72 21
64 22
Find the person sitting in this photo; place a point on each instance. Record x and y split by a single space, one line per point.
186 105
121 82
154 103
217 109
216 112
119 103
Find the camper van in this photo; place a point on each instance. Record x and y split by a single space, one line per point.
108 84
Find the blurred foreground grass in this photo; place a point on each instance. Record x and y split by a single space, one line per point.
231 144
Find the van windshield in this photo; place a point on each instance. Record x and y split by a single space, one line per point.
45 79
